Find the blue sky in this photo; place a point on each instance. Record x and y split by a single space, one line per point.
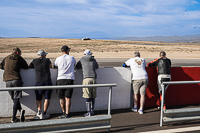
112 18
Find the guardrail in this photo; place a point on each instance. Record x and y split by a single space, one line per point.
66 125
178 112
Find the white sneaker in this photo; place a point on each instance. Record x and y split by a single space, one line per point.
134 109
38 116
140 111
46 116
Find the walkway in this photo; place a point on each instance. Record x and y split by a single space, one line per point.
125 121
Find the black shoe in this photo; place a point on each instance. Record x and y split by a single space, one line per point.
92 113
87 114
67 115
61 117
64 116
13 120
22 118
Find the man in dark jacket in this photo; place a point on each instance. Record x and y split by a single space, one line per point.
11 66
43 78
88 64
162 65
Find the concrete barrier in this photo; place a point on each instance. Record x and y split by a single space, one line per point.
120 99
122 94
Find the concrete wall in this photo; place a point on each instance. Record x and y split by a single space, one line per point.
120 95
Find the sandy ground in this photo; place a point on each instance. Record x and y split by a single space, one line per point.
100 48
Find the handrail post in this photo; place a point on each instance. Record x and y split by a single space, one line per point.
162 105
163 94
109 100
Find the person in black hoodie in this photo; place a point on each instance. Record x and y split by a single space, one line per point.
11 66
163 65
88 64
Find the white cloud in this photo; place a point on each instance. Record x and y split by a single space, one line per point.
194 2
108 15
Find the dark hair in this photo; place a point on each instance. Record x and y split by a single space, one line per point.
137 54
162 53
15 50
65 48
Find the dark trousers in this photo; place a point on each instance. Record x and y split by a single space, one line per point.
15 95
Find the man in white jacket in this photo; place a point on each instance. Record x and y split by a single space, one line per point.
139 78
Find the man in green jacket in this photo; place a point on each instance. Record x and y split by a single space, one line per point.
11 66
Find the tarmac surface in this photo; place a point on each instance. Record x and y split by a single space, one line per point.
114 62
126 121
118 62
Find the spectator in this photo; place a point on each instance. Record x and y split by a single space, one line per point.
162 65
140 80
88 64
43 78
11 66
65 65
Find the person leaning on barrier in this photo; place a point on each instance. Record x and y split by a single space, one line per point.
11 66
43 78
65 65
140 79
162 65
88 64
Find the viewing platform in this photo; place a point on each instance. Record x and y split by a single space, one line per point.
123 120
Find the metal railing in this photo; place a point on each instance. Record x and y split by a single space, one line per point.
163 93
90 126
65 87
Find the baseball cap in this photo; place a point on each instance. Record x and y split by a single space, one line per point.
65 48
87 52
41 53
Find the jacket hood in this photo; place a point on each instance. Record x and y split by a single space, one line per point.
88 57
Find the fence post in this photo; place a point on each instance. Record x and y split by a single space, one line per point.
162 105
109 100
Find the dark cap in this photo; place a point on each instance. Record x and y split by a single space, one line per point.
65 48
